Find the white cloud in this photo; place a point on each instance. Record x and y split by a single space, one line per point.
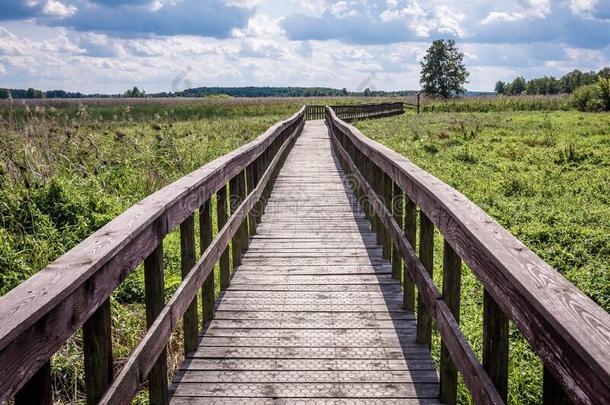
583 8
343 9
55 8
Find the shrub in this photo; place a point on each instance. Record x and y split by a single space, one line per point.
588 98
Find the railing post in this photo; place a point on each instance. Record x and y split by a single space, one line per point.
154 287
495 344
410 230
250 170
234 202
97 350
426 256
552 391
37 391
187 254
452 278
397 208
208 293
221 209
243 229
386 197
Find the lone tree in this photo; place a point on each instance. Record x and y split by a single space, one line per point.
443 72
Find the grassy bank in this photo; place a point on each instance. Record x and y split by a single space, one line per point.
544 176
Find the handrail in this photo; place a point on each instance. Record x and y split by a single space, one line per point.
356 111
39 315
566 329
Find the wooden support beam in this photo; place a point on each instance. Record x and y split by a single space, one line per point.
552 391
452 279
97 350
495 344
223 216
426 256
410 230
188 260
234 203
208 293
154 297
397 205
243 231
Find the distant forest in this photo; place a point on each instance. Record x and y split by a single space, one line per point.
211 91
566 84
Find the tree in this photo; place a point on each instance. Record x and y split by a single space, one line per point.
135 92
443 72
5 93
500 87
518 86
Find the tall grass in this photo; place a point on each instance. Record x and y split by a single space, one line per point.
498 104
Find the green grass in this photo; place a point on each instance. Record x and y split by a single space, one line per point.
545 176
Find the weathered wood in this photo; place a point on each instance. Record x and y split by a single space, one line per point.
187 261
206 234
223 215
97 350
37 391
452 276
552 392
475 377
154 297
243 231
234 202
138 365
251 173
495 344
410 230
397 208
563 326
44 311
426 256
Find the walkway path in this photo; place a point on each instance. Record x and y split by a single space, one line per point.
312 314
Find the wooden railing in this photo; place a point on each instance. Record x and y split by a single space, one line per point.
355 112
41 314
566 329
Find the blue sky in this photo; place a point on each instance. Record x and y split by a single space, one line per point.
163 45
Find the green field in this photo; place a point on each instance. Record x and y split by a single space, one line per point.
545 176
67 170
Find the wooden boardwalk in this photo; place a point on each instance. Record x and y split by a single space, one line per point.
312 314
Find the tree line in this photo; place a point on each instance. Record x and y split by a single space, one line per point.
548 85
251 91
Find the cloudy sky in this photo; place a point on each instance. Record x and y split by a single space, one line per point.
160 45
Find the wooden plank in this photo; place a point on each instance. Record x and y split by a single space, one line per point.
40 314
426 256
97 350
154 295
187 261
208 297
563 326
495 344
452 278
